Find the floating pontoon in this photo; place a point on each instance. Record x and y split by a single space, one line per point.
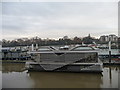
77 59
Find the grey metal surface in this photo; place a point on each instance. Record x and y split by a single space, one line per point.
79 67
65 59
61 58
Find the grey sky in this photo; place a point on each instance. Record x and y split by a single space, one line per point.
55 20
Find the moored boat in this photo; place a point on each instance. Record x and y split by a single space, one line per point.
77 59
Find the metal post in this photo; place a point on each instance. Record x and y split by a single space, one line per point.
32 47
36 47
109 56
109 50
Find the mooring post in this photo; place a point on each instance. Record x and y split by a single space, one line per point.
109 56
36 47
32 47
109 51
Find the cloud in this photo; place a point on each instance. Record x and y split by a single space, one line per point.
54 20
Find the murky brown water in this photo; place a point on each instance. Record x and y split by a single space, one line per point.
14 76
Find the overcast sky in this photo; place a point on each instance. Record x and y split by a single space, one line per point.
55 20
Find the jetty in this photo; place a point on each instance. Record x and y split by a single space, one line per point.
14 54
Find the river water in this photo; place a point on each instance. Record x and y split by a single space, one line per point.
14 76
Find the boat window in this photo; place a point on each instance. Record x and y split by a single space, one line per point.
44 49
82 48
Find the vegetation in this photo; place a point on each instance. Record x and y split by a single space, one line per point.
43 42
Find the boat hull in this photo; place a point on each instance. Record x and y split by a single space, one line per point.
76 67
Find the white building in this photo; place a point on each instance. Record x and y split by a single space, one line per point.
105 38
113 38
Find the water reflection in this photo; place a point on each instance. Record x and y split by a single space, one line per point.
66 80
110 76
14 76
0 80
14 73
10 67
